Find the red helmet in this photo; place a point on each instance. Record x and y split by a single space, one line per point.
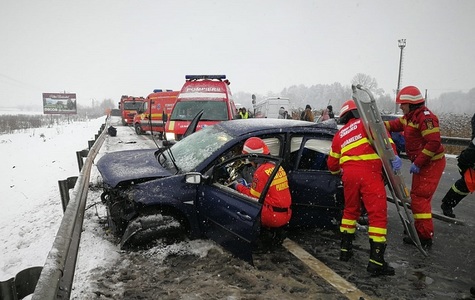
255 145
349 105
410 95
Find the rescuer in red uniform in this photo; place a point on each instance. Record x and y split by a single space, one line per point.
466 184
276 210
353 156
425 150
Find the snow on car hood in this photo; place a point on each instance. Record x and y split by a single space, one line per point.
128 165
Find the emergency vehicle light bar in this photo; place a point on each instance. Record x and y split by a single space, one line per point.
160 90
196 77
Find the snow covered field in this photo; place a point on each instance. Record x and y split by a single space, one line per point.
31 164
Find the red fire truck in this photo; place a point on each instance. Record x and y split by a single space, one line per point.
149 117
128 106
210 93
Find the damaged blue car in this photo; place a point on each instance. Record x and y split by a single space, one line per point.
182 190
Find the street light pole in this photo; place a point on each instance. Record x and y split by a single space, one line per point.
401 44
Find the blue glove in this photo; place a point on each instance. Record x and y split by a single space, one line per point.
239 181
414 169
242 181
396 163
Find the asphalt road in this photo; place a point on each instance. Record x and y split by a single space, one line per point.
446 273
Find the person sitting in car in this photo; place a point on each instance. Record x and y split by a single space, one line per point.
276 210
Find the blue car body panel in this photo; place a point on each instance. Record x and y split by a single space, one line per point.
228 219
124 166
179 196
315 204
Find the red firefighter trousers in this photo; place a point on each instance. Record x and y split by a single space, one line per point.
367 185
423 188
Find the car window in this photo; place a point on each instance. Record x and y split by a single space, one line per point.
273 144
213 110
241 168
132 105
116 113
314 153
192 150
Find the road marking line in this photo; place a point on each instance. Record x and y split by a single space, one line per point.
343 286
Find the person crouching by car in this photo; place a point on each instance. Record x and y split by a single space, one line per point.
466 183
276 210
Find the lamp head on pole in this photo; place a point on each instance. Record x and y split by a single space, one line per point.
401 43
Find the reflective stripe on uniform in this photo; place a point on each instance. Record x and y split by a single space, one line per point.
348 226
423 216
373 156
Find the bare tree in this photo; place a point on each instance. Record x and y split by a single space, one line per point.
368 82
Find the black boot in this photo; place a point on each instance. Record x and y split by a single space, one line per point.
447 210
346 249
377 266
450 200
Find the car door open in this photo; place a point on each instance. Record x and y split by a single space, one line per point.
227 216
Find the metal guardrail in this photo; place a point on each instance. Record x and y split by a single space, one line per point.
455 141
57 275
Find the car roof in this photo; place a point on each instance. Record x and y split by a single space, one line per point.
241 127
390 116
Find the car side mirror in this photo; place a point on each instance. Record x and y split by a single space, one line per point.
164 117
193 178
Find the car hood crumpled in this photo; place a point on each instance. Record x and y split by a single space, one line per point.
129 165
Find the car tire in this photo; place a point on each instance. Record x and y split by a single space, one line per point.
143 231
138 129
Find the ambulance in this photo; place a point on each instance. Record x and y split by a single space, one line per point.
128 106
210 93
149 117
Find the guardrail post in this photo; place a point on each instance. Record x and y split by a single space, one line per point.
20 286
64 187
79 156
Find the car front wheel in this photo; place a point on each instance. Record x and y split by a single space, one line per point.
138 129
144 230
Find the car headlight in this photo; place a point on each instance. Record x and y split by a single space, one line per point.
170 136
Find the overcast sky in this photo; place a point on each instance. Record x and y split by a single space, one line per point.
106 48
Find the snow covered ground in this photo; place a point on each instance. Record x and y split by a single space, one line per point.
31 163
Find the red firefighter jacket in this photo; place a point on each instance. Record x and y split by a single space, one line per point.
422 134
278 194
351 147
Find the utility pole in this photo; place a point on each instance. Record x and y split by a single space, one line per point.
401 44
425 97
